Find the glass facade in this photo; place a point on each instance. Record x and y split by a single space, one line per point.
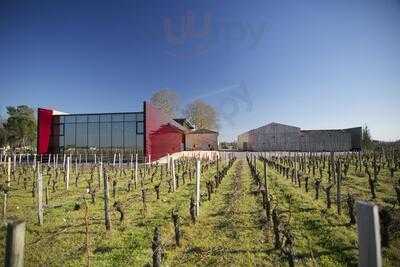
99 133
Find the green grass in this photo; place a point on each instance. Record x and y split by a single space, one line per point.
227 233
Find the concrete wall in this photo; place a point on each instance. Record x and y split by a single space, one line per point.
279 137
203 141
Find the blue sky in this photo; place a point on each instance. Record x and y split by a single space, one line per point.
313 64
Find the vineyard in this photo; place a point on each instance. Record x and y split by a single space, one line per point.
238 209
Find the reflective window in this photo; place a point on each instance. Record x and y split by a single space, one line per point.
117 135
81 135
69 136
81 118
139 127
117 117
69 119
93 135
93 118
130 117
130 135
105 135
105 117
139 142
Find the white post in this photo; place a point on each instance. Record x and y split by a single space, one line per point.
64 161
115 155
131 164
34 161
40 195
9 171
136 167
15 162
67 179
100 173
95 159
48 159
369 238
173 175
198 176
19 158
168 162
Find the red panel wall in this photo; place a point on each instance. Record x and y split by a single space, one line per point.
161 138
44 130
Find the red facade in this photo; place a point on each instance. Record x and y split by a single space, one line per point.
162 134
44 130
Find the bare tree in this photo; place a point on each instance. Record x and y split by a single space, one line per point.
202 115
167 101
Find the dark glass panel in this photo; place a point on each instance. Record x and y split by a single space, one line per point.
81 135
105 135
61 128
69 135
105 118
130 117
117 117
117 135
139 126
139 116
61 140
93 118
81 118
130 135
93 135
139 142
70 119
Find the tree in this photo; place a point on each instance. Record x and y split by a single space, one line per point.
167 101
3 134
366 140
20 126
202 115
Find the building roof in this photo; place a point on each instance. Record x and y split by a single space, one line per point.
184 122
202 131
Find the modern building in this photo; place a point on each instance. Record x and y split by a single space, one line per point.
280 137
202 139
149 133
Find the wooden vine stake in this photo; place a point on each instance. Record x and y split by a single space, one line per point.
198 176
15 244
173 175
40 195
107 220
67 171
369 238
136 168
9 171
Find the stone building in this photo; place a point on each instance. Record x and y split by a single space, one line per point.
201 139
280 137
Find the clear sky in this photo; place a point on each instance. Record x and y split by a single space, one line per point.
309 63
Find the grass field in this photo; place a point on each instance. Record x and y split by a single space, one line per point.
228 231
